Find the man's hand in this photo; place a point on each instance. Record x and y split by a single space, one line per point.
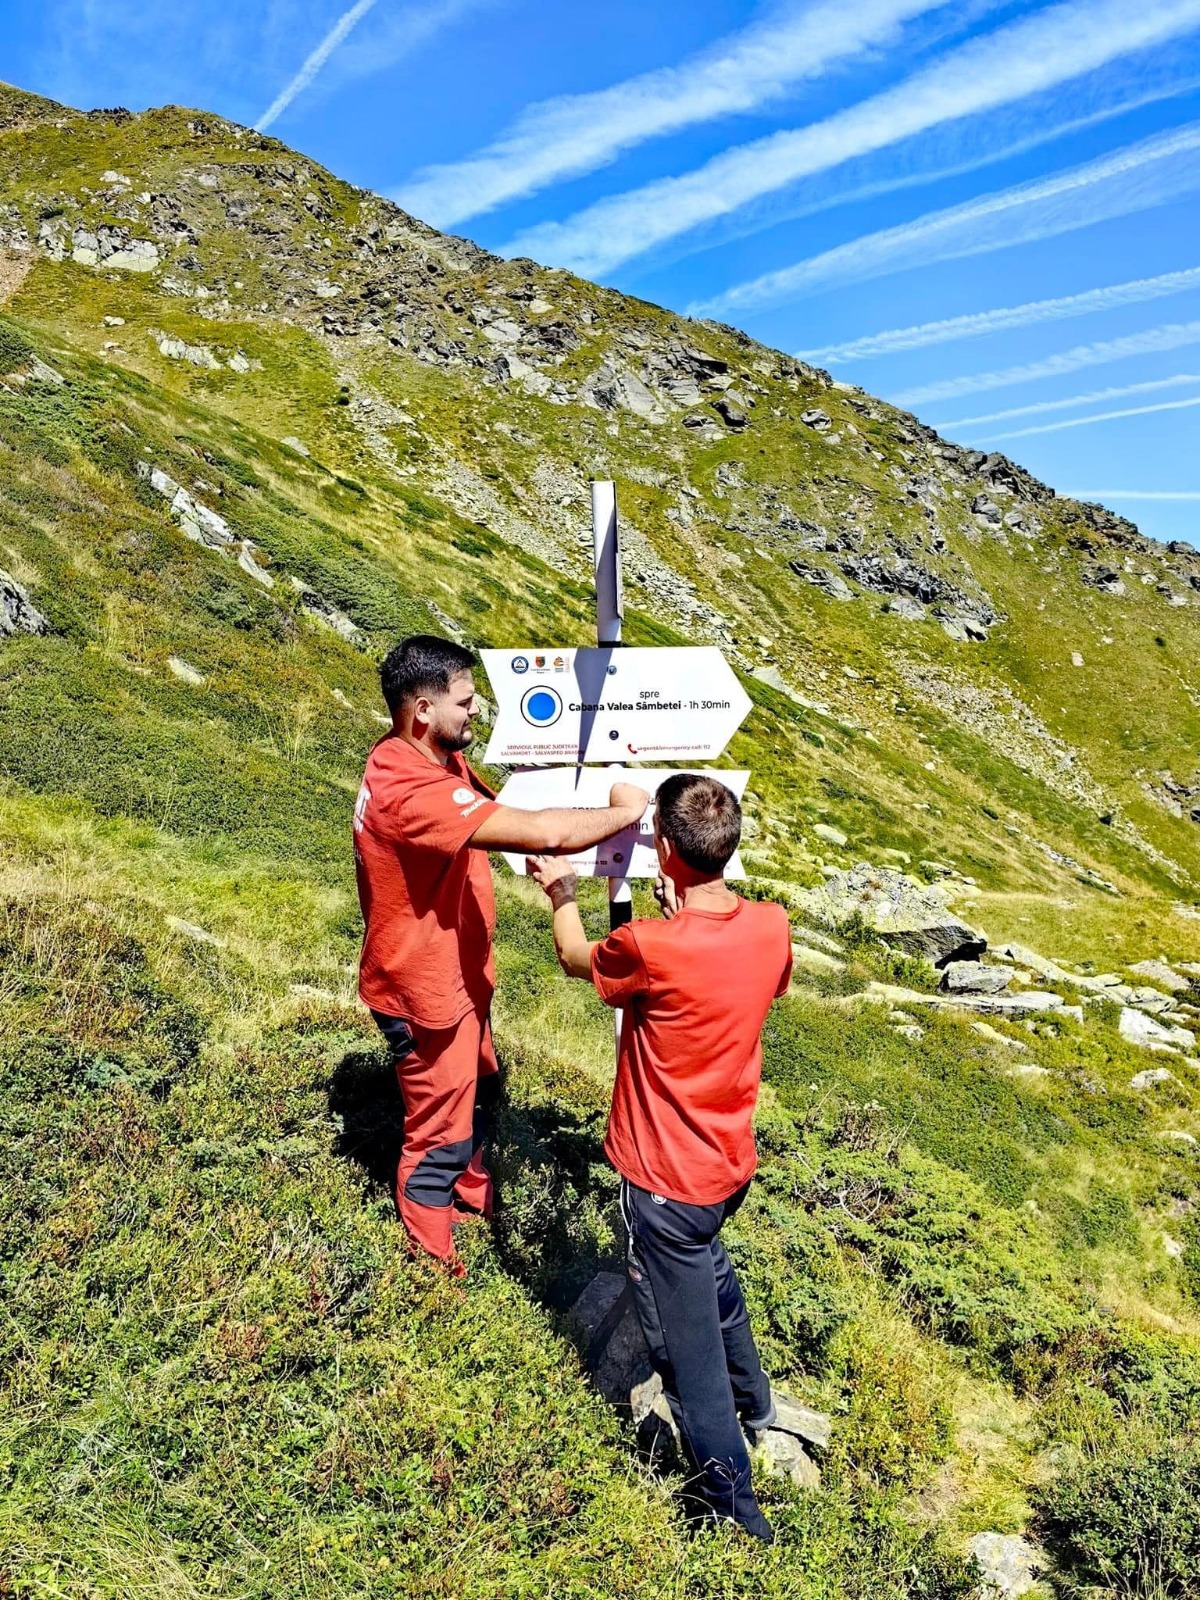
664 893
629 796
555 875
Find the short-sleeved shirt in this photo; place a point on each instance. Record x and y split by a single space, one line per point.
426 897
696 992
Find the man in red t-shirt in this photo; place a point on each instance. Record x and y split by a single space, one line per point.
423 823
695 989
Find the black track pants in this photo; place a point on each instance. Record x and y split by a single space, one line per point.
690 1307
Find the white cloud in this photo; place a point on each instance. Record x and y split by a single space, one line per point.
573 134
1171 336
1099 416
1027 57
1093 397
979 324
1130 179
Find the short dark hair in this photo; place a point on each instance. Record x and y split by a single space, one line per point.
421 664
701 818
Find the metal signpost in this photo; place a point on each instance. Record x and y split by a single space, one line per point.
610 705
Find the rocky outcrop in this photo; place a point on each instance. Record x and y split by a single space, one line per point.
1107 579
18 614
829 583
1180 799
909 915
1138 1028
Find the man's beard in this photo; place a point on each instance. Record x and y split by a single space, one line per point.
451 743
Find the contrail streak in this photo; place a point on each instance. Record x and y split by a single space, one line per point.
314 62
979 324
1133 178
1093 397
1100 416
573 134
1171 336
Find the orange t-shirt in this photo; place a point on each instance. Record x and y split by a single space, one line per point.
426 897
696 992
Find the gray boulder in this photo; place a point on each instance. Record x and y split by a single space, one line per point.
1151 1076
1008 1564
18 614
1159 972
782 1455
905 606
830 583
910 915
730 414
1138 1028
972 977
962 626
1106 579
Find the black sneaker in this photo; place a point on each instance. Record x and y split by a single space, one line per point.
761 1424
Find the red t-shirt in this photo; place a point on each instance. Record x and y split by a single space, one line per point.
426 897
696 992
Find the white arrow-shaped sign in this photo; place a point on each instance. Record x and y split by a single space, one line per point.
629 854
613 704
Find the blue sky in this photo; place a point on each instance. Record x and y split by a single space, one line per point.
986 211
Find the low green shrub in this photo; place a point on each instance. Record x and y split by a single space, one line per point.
15 350
1128 1516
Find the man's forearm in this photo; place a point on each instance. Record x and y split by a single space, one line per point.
583 828
571 943
556 830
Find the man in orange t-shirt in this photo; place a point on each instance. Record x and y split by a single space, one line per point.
423 823
695 989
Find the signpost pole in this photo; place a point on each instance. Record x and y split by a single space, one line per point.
609 616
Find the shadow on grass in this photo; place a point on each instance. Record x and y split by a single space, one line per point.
365 1099
555 1195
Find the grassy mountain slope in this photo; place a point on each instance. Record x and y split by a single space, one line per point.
220 1374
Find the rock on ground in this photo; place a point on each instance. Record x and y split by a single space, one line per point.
1141 1029
1151 1076
185 671
1159 972
902 911
18 614
972 977
1009 1564
606 1328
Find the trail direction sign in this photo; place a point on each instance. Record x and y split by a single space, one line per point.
613 704
629 854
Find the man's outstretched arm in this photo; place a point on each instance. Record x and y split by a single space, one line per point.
571 943
559 830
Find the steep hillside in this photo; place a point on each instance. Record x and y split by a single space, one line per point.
254 423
